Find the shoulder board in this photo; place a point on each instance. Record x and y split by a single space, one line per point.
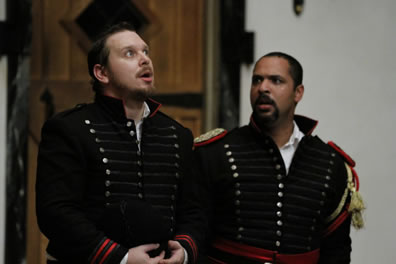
209 137
69 111
346 157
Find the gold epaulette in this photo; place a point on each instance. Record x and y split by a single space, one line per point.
210 136
356 205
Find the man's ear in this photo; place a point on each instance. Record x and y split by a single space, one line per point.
100 73
298 95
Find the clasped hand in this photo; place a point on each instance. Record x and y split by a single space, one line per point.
139 254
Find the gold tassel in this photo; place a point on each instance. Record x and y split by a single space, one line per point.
357 203
356 206
357 220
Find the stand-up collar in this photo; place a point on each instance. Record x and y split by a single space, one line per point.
305 124
116 107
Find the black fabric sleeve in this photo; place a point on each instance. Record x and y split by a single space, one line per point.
336 244
60 184
336 247
191 221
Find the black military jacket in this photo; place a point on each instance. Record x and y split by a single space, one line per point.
99 194
254 202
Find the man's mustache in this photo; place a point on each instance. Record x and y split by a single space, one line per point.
264 99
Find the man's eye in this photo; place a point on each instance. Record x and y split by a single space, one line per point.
256 80
129 53
277 80
146 52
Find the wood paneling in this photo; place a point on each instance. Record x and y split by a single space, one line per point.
190 118
177 49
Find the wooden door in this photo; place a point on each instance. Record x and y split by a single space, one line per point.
60 80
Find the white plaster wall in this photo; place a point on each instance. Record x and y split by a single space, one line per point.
348 51
3 128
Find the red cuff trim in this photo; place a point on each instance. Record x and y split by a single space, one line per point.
100 250
191 242
104 251
347 158
337 222
108 252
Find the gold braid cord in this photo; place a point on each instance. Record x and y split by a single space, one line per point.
356 206
339 208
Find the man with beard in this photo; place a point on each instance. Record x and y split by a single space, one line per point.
276 193
114 180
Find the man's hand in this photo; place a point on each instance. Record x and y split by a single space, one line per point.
139 255
176 253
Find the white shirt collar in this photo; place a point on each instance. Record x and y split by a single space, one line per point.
287 151
295 137
146 111
139 125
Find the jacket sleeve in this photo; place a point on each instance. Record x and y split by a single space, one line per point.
336 242
191 219
60 184
336 247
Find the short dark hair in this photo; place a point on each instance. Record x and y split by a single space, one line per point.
99 52
295 68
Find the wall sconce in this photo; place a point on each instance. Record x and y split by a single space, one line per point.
298 6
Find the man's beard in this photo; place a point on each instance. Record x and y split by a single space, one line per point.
263 118
135 94
141 94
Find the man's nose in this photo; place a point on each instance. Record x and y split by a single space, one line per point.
265 86
144 59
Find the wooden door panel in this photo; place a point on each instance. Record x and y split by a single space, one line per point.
177 49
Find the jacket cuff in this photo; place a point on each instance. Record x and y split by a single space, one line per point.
189 245
108 251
